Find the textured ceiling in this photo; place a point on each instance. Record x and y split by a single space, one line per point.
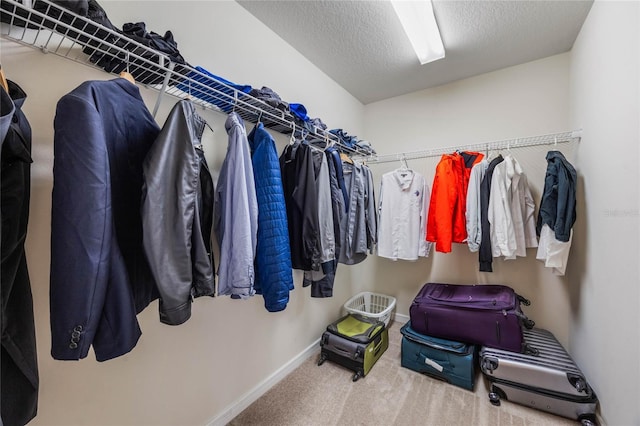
361 45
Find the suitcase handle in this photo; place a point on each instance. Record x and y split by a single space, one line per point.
346 351
489 364
523 300
526 322
377 345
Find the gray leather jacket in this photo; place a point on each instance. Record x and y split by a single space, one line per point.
177 214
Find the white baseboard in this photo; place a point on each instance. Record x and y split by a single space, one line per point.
402 319
250 397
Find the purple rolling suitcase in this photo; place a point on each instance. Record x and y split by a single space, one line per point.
487 315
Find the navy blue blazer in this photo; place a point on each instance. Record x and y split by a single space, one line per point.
100 278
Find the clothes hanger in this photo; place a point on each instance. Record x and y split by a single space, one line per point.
292 140
126 74
345 158
403 161
327 142
188 98
3 80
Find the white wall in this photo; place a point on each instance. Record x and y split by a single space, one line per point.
192 373
605 296
525 100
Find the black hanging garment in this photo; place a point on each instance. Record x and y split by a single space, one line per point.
19 389
485 256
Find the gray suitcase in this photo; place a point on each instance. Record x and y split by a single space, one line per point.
549 381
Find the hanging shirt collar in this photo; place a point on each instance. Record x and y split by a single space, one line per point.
404 178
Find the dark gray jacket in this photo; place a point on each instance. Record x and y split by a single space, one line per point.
558 204
177 214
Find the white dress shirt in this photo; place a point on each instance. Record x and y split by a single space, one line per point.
553 252
403 208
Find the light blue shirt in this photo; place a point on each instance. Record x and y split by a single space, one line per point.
236 215
360 223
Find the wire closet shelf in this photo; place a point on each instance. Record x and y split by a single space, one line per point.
547 139
53 29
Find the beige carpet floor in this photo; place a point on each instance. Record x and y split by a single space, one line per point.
388 395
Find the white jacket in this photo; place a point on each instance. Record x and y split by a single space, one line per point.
511 210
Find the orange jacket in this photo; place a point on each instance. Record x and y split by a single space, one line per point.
447 208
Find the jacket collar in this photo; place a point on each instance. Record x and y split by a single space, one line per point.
127 86
557 157
257 136
17 94
404 178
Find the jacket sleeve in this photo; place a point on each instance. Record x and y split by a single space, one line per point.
425 246
443 197
326 235
371 212
566 199
474 232
305 197
82 237
529 209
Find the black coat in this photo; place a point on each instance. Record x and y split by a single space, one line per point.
19 375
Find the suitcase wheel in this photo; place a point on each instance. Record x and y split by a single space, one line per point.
588 420
495 395
530 350
356 376
494 399
322 359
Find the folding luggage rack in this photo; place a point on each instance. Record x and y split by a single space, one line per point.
54 29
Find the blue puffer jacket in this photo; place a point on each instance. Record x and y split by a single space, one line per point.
274 277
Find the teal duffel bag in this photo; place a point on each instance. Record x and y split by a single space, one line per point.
453 362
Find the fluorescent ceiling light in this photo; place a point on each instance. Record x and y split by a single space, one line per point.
419 23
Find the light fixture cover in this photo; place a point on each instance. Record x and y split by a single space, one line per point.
420 24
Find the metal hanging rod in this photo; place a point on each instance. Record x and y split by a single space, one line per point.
548 139
53 29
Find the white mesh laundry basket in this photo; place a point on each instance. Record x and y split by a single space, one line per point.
372 305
